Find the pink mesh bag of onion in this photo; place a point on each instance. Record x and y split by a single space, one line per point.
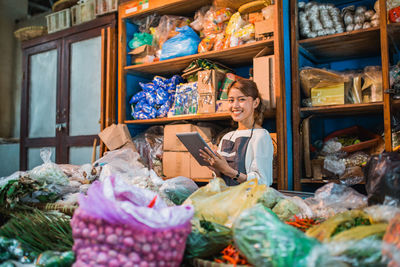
117 224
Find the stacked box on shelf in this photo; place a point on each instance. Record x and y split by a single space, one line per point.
177 161
58 21
105 6
83 12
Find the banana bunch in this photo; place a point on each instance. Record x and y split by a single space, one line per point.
254 6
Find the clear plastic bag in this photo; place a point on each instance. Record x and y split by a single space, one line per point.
178 189
166 29
266 241
334 198
382 213
334 164
48 172
372 82
199 17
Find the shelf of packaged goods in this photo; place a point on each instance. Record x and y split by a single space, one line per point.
343 46
346 109
234 56
197 117
321 181
394 33
129 9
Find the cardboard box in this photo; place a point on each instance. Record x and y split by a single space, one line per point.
209 81
183 164
222 106
255 17
329 95
206 103
266 26
172 143
142 54
117 136
263 76
198 171
176 164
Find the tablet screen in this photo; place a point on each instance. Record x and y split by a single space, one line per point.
194 142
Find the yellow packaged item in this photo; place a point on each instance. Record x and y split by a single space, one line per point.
235 23
246 33
221 204
329 95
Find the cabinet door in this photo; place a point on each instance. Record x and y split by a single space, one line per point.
39 101
81 96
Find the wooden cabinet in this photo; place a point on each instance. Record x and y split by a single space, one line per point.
372 46
129 75
68 91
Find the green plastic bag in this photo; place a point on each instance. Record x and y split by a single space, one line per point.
266 241
55 259
140 39
206 239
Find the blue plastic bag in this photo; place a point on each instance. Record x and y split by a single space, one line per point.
183 44
137 97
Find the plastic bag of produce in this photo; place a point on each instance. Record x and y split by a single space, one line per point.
178 189
117 224
55 258
382 177
221 204
334 198
48 172
184 44
140 39
166 29
266 241
358 253
206 239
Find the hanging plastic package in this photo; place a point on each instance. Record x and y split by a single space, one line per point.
382 178
184 44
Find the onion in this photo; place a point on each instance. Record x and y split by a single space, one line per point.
112 239
122 258
143 264
118 231
134 257
112 254
146 248
102 258
109 230
113 263
127 232
128 241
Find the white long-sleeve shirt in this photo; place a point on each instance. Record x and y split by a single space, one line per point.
259 153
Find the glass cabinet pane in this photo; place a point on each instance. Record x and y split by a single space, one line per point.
82 155
85 87
42 94
34 158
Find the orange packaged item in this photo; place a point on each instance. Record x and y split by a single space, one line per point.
222 14
207 43
219 42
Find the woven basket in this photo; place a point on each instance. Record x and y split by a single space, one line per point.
204 263
30 32
63 4
67 209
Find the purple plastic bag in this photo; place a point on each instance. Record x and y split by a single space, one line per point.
120 203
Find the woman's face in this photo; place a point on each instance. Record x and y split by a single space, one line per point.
241 107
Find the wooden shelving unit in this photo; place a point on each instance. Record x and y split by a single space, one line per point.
337 47
232 57
346 45
197 117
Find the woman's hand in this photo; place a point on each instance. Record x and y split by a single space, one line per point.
216 161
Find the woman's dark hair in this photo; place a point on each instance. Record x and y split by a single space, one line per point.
249 88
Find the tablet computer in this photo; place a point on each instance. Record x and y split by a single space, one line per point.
194 142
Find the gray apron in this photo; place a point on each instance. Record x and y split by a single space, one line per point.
236 161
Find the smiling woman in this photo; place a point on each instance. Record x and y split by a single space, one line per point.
246 153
